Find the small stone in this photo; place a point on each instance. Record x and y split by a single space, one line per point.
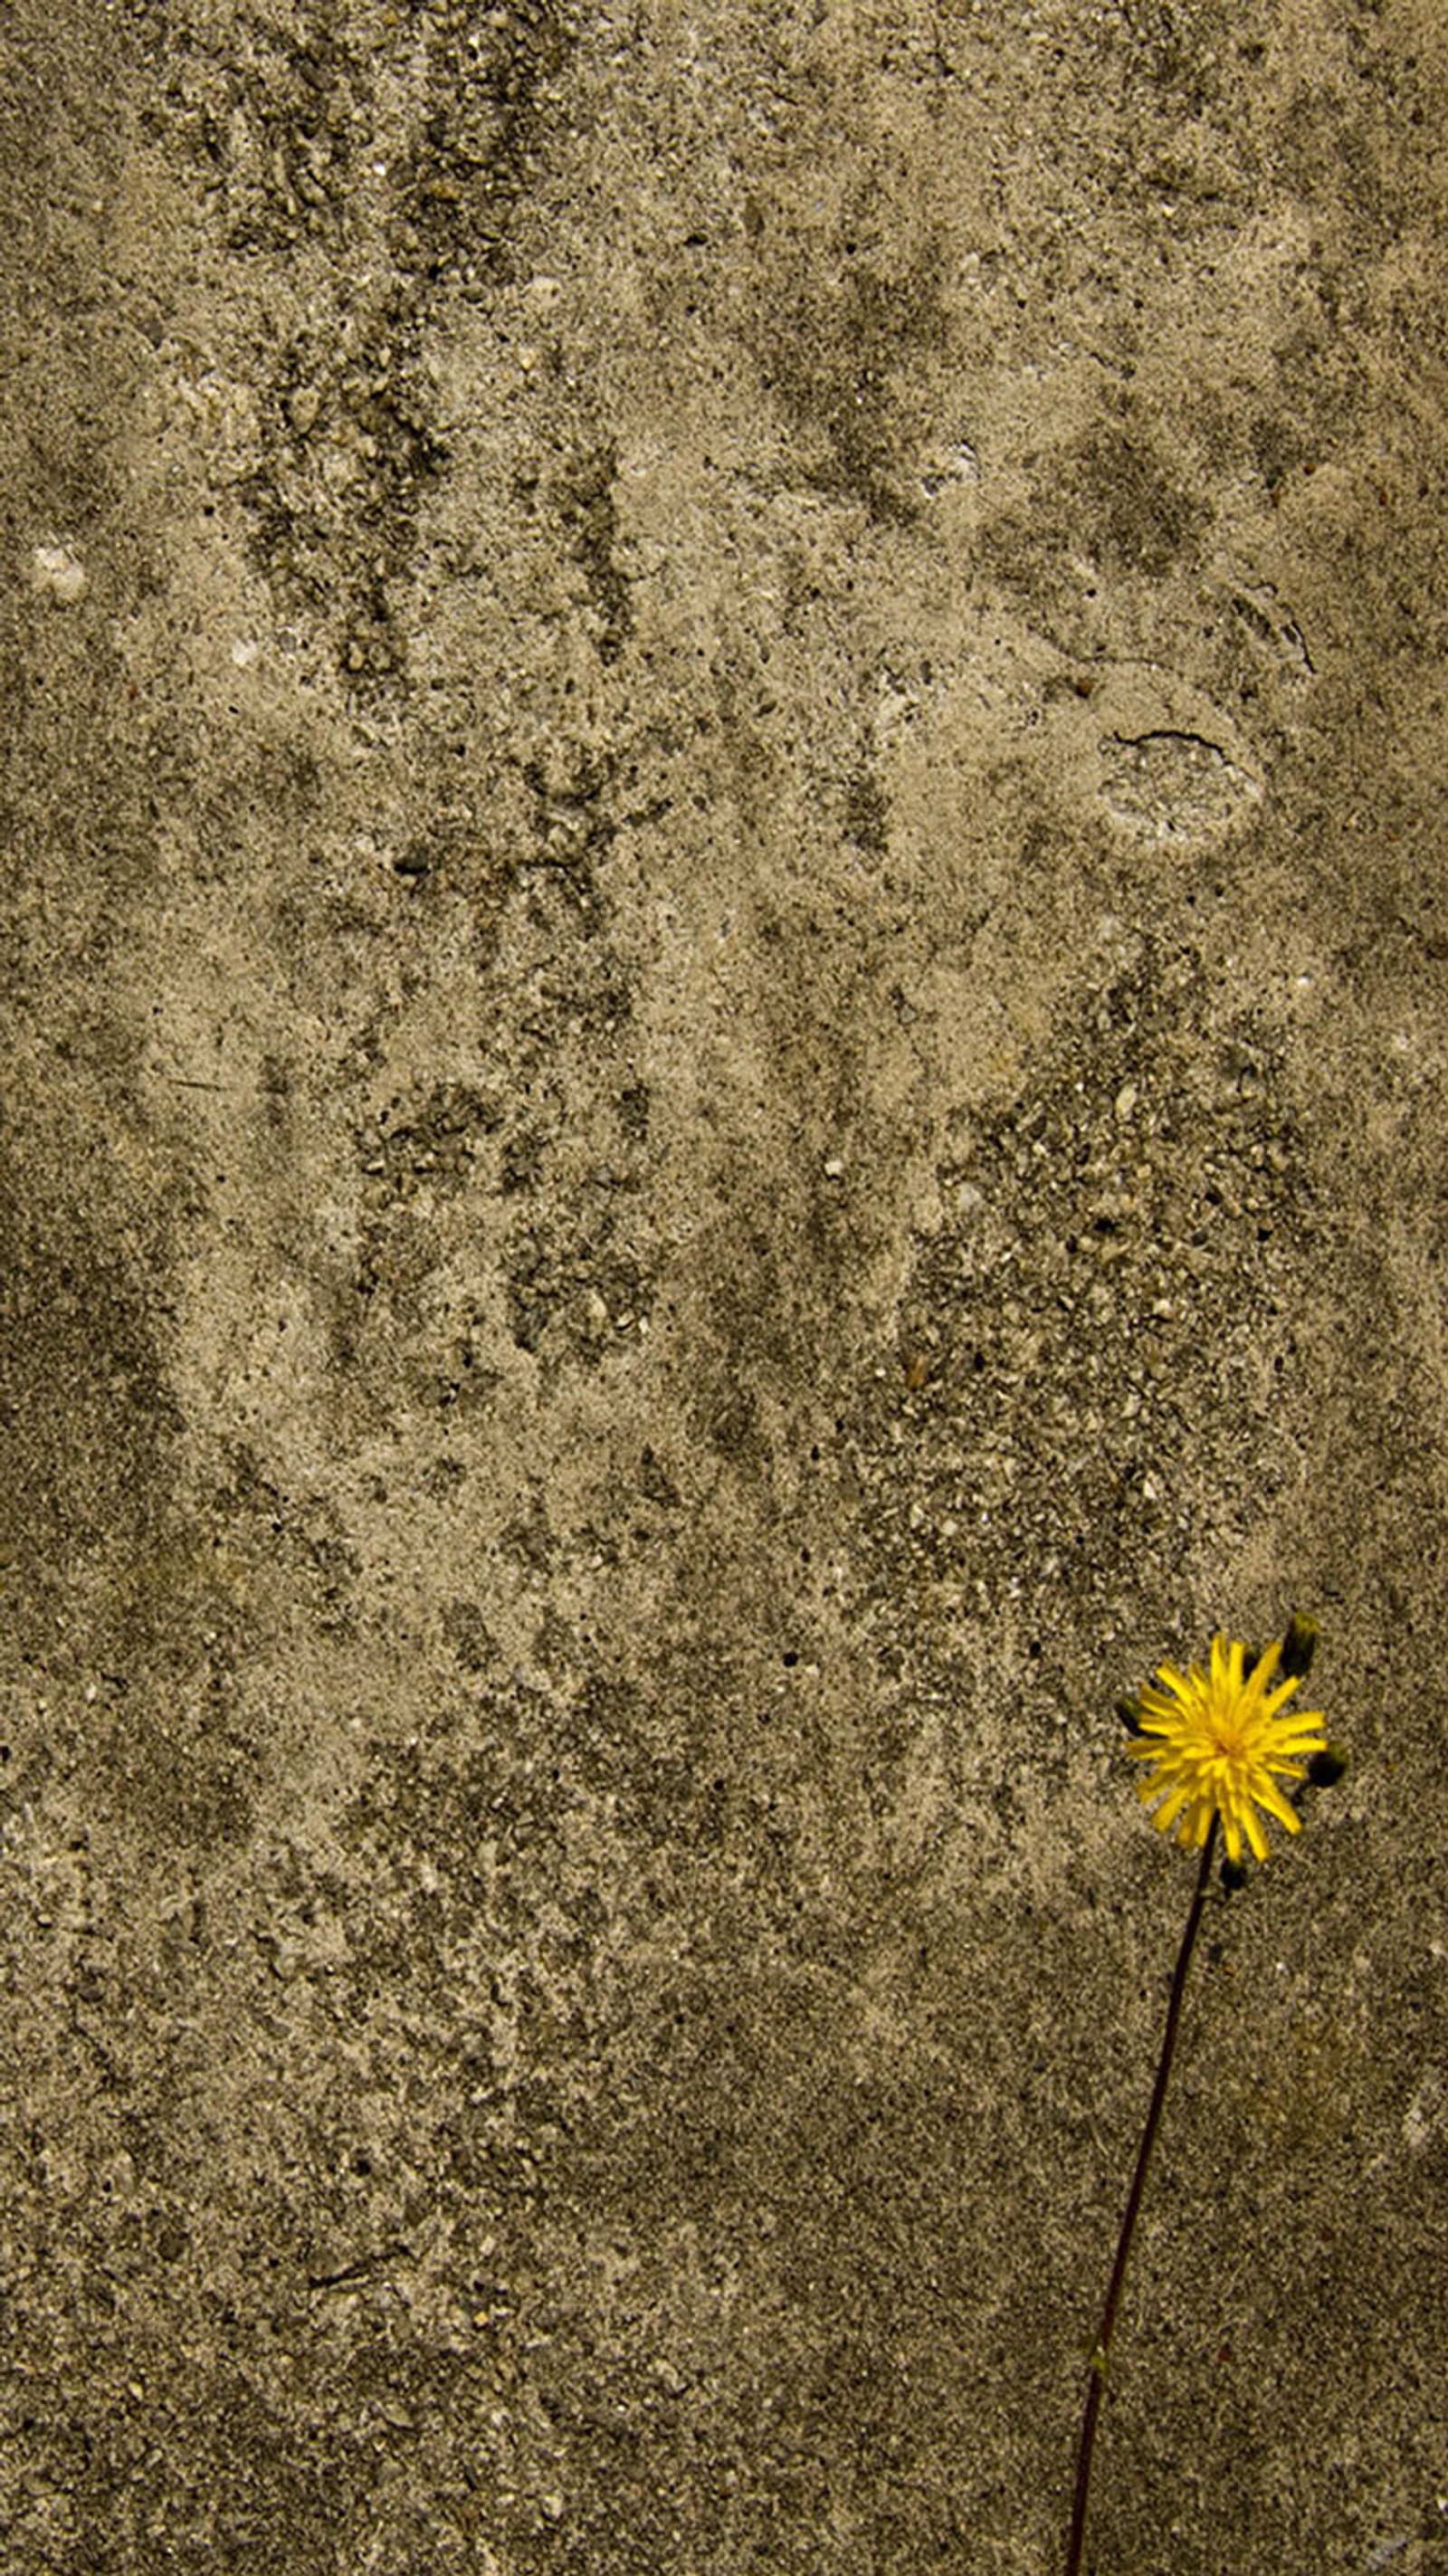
956 462
57 575
303 405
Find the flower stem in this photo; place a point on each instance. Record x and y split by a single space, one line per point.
1101 2349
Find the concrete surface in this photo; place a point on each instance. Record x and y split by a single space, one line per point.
724 968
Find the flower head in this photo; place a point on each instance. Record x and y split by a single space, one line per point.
1218 1744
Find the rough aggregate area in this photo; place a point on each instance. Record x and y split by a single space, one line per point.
724 931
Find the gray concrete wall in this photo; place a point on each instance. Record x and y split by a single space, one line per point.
724 957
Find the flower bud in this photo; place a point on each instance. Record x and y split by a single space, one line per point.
1233 1875
1326 1768
1298 1648
1130 1715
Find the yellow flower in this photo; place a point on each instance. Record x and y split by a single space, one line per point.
1219 1744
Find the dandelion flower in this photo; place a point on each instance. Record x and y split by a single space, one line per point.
1219 1742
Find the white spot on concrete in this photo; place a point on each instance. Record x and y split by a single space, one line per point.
58 575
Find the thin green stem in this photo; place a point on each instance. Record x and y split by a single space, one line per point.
1101 2349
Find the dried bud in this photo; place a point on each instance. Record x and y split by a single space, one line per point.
1298 1648
1326 1768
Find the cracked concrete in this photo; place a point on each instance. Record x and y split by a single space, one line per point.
723 980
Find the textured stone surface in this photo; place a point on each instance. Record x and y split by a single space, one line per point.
724 957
